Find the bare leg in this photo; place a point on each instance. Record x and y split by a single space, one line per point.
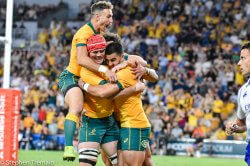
120 160
133 158
74 99
110 149
105 158
148 159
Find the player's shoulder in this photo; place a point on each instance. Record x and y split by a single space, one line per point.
245 87
125 73
125 70
87 71
90 75
85 29
84 69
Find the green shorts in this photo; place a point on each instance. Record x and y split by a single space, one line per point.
67 80
134 139
101 130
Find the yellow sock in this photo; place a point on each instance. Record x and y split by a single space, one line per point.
72 117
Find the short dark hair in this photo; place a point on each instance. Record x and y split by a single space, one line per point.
112 37
246 46
114 48
101 5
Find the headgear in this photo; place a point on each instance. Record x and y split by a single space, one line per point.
96 42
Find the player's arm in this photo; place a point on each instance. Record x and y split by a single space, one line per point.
238 125
139 87
106 90
84 60
127 79
145 73
132 61
150 75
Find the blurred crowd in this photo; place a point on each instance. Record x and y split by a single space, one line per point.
194 46
2 9
29 12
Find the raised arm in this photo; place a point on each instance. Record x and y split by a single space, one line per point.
133 59
140 69
145 72
150 75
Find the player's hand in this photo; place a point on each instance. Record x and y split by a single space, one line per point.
139 71
81 83
119 67
140 86
230 128
111 76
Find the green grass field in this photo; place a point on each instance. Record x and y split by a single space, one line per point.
56 157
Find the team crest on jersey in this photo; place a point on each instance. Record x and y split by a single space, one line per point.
125 140
144 143
247 107
93 132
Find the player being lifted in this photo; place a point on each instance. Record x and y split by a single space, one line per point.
101 19
135 128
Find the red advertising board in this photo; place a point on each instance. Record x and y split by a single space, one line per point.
9 124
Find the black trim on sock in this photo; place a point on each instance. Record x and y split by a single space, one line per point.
93 163
89 154
113 158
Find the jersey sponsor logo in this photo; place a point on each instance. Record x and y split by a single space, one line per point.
93 132
247 107
144 143
125 140
245 94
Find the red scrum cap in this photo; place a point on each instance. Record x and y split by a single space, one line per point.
96 42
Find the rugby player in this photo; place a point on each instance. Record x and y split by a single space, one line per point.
101 19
